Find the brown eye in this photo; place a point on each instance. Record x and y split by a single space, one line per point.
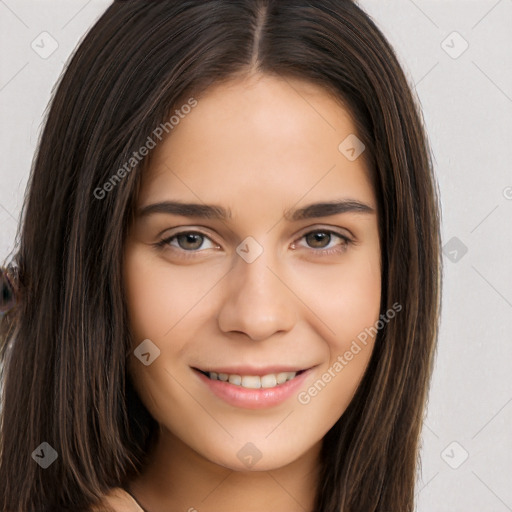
190 241
324 242
318 239
187 242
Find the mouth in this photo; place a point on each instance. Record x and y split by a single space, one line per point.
266 381
251 388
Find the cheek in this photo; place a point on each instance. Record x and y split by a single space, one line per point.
359 292
158 297
345 297
348 304
358 313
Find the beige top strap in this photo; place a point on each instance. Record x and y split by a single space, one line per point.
118 500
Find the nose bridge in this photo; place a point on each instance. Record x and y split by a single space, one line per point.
256 279
257 302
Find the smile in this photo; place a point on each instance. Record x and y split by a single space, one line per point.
270 380
249 391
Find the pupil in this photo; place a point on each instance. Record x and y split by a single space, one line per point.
318 238
191 238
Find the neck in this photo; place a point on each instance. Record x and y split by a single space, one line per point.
178 478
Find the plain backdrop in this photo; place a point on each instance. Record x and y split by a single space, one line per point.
458 58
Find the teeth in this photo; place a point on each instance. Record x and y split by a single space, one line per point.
268 381
253 381
235 379
282 377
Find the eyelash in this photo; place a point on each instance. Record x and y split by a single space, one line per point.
164 243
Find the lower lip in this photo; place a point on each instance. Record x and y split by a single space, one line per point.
261 398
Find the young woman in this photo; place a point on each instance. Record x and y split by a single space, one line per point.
227 288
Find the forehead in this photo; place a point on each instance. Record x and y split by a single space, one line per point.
265 135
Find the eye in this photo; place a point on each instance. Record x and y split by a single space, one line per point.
189 241
322 242
325 242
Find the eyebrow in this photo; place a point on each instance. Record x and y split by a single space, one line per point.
207 211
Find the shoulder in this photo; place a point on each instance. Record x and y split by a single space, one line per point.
116 500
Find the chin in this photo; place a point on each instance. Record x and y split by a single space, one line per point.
257 456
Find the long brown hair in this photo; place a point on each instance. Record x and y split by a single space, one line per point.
64 345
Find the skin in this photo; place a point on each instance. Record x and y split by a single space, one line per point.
257 145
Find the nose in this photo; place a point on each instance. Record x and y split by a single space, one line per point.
258 301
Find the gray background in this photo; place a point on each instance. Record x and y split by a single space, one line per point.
466 98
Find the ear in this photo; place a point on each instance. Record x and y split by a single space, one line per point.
8 289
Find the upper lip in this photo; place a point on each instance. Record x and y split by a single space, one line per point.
251 370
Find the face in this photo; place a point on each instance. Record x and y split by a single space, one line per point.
254 284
